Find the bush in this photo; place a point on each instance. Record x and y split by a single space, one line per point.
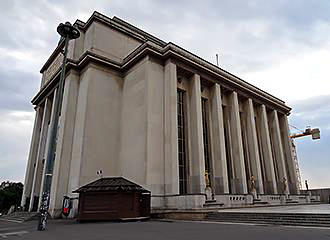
10 194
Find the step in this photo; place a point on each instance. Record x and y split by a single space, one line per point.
259 201
318 224
272 219
291 201
302 219
212 205
20 216
266 215
325 221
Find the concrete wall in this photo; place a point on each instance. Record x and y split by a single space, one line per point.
102 124
97 127
109 42
142 131
155 127
132 156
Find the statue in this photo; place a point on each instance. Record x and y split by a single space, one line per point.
285 187
207 179
306 184
253 186
208 189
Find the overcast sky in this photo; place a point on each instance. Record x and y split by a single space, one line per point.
279 46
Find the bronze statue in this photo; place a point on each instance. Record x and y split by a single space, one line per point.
285 185
207 179
253 183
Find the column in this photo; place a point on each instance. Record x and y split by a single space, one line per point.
64 144
32 157
218 143
237 145
287 149
279 154
51 119
171 130
253 145
40 158
270 181
196 138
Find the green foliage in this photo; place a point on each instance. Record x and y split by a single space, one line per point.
10 194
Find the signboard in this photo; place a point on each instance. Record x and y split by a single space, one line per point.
52 69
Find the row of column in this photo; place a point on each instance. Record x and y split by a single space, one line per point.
265 145
33 185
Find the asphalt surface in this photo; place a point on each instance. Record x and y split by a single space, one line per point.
160 230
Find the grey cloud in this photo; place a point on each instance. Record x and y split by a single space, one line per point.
313 156
249 36
312 104
205 28
15 132
313 111
17 89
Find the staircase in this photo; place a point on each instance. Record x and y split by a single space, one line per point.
20 216
295 219
212 204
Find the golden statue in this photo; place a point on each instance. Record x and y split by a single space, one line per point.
207 179
253 183
285 185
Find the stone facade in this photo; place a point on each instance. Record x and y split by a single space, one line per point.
154 113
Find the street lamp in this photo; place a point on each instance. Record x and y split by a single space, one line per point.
67 32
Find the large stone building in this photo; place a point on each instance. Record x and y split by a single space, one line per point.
152 112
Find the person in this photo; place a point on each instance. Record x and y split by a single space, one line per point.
306 184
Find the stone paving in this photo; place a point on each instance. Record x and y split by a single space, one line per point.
314 209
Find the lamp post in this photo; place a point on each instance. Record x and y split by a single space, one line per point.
67 32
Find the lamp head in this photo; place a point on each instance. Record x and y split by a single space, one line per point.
67 30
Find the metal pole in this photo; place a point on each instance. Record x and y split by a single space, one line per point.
52 145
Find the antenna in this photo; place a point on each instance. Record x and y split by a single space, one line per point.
217 57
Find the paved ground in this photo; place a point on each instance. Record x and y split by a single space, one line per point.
315 208
150 230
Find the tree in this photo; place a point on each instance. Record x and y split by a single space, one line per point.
10 194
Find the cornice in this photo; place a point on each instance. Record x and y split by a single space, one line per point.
171 51
158 48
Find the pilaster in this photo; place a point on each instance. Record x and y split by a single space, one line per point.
288 155
279 154
196 130
64 143
253 145
29 174
237 145
270 181
36 186
218 143
51 119
171 130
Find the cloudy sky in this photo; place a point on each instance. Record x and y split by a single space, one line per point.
280 46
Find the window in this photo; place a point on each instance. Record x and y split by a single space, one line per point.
206 139
182 142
